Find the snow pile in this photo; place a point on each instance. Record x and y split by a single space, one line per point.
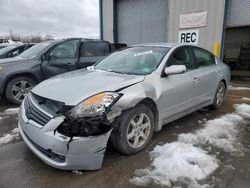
221 132
6 138
243 110
176 163
183 163
11 111
238 88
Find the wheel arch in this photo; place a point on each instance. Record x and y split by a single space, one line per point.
16 75
225 83
153 107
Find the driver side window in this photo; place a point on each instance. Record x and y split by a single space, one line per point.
66 50
181 56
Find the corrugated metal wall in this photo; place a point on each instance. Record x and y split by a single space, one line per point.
141 21
239 13
215 16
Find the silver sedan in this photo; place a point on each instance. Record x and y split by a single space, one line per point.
67 120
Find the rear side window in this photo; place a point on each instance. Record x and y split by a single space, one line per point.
203 58
181 56
91 49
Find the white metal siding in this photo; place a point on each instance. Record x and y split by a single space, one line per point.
141 21
239 13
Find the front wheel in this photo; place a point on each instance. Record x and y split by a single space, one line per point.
133 131
219 96
18 88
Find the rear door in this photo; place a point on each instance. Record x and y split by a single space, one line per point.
205 76
61 58
91 52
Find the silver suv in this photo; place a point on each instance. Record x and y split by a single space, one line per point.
68 119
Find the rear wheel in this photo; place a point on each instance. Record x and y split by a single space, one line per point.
18 88
134 130
219 96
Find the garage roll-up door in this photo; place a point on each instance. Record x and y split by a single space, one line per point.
141 21
238 13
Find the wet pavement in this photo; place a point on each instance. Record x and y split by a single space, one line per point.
19 167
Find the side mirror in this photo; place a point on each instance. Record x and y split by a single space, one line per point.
91 67
175 69
43 57
16 53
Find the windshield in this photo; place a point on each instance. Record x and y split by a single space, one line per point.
6 49
34 50
135 60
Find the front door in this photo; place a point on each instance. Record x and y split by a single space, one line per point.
61 58
177 94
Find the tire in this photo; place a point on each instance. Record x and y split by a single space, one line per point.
124 127
219 96
17 88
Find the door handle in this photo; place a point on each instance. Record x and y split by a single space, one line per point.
195 80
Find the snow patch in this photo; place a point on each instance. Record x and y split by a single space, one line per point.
77 172
221 133
11 111
6 138
176 163
238 88
246 99
243 110
182 164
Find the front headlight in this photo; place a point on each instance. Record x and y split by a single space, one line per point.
95 105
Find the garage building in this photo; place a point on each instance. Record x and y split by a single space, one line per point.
221 26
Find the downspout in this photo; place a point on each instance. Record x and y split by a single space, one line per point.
115 21
101 18
224 28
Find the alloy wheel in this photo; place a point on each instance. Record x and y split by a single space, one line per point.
138 130
220 94
20 89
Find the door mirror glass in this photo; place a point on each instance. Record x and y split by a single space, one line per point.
175 69
16 53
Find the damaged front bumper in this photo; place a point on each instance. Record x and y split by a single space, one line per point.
60 151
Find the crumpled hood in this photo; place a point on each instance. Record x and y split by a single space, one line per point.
73 87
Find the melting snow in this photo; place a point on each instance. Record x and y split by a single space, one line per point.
181 163
6 138
77 172
11 111
176 162
221 132
238 88
243 110
246 99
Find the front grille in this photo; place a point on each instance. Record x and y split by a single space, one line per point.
32 113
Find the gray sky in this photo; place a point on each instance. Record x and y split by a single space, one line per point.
59 18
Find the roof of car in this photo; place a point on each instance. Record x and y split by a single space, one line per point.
160 44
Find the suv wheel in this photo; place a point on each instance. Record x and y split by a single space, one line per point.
133 130
18 88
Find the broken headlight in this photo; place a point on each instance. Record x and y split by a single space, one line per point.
95 105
